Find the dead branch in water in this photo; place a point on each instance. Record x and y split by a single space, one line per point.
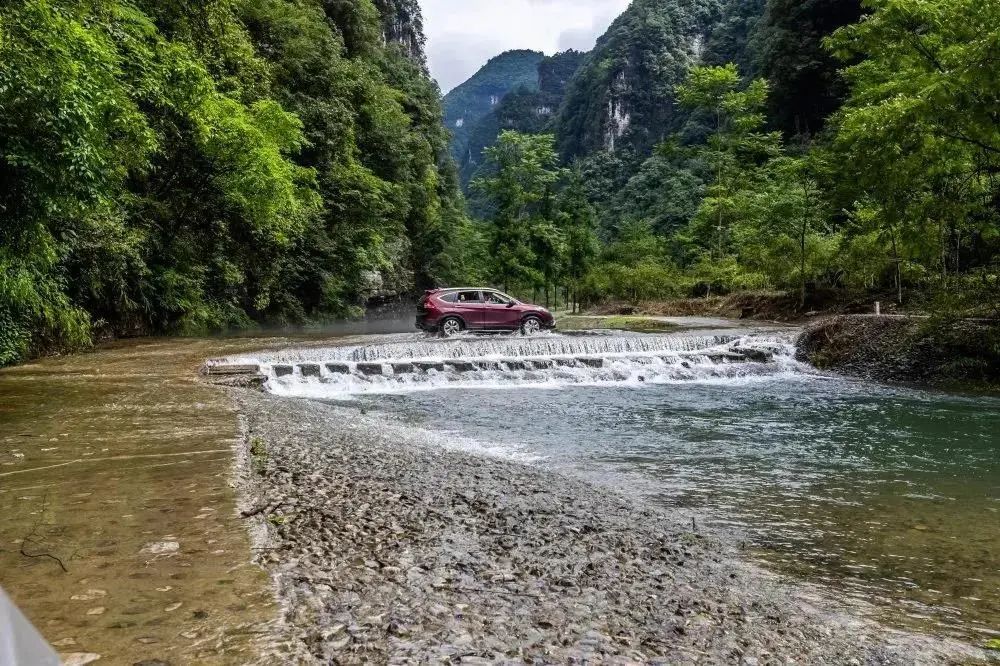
29 539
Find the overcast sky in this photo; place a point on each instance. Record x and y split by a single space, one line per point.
463 34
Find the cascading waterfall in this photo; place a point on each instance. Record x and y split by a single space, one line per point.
547 361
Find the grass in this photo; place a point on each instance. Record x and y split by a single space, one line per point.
258 455
634 323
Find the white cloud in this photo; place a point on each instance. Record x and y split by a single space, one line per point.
463 34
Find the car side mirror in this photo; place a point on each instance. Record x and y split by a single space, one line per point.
510 305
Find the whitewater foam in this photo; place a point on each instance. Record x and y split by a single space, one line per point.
544 362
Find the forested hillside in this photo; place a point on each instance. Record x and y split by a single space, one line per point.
472 101
184 167
843 147
526 108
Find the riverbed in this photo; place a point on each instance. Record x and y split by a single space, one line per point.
887 496
872 509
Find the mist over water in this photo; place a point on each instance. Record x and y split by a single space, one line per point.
888 495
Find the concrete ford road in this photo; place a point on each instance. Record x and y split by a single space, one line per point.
451 311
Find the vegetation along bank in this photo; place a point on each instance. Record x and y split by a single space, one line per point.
197 167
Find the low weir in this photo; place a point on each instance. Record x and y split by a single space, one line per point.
547 361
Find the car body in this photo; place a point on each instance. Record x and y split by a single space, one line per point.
479 309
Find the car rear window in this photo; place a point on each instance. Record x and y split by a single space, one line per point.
449 298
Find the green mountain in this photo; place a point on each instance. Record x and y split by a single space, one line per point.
473 100
524 109
623 95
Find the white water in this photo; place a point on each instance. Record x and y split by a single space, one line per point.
547 361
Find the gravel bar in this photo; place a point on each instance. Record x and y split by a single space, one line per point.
386 547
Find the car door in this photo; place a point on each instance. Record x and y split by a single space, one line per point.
500 312
468 305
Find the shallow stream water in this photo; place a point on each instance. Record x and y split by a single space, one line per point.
883 494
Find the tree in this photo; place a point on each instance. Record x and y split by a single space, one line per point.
735 146
523 172
578 222
919 136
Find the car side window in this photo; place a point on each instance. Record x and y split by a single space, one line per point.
469 297
496 299
449 298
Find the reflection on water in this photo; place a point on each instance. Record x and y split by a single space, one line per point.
889 495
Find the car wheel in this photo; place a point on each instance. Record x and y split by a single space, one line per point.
451 327
531 325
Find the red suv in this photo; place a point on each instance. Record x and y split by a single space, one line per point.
450 311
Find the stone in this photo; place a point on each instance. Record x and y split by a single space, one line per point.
428 365
310 370
90 595
227 369
79 658
98 610
283 370
591 361
370 368
338 368
173 607
161 547
460 366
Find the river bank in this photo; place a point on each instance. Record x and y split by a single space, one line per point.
906 349
386 545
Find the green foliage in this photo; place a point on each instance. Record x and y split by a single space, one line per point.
183 167
788 49
919 132
633 70
469 105
528 107
519 191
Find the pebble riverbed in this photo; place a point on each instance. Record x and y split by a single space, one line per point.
385 547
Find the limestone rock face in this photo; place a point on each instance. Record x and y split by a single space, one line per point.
403 24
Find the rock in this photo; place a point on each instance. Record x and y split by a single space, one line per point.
370 368
460 366
310 370
99 610
90 595
338 368
402 368
427 366
79 658
283 370
591 361
161 547
173 607
224 369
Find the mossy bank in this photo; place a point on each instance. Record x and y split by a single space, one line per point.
923 350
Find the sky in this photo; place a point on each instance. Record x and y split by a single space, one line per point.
463 34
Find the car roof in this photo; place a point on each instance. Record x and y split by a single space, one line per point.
444 289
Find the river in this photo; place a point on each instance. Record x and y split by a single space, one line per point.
884 495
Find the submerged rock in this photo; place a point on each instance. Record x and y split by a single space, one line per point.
386 548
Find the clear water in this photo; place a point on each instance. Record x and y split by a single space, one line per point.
885 494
